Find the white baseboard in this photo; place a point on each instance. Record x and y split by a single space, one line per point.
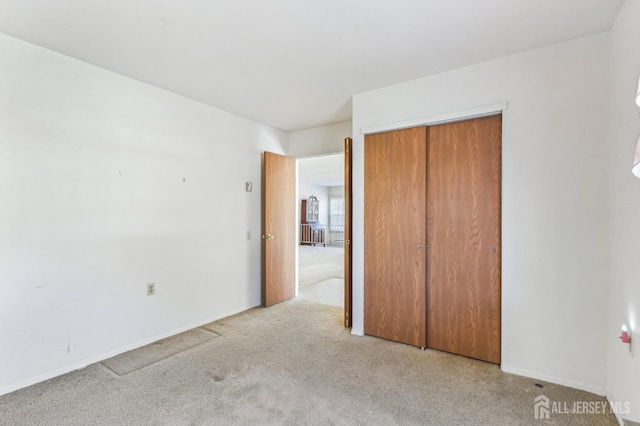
80 364
556 380
611 400
613 403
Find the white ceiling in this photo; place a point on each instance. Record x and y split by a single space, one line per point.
294 64
327 170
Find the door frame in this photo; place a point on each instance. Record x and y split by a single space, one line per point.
348 234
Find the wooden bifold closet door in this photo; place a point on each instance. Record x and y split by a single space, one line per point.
463 234
395 232
432 236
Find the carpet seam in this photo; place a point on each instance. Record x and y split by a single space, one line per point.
167 357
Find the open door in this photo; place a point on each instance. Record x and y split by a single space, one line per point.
348 217
279 215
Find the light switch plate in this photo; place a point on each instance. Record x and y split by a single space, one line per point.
248 186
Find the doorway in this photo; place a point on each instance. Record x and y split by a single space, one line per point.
321 227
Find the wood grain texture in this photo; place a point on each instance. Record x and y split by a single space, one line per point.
463 232
348 219
305 233
395 232
279 217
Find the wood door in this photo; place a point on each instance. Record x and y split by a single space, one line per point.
463 234
348 218
279 218
395 232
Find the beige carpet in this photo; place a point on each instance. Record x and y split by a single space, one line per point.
317 263
143 357
329 292
293 364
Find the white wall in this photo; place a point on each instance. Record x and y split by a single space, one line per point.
327 139
623 370
336 191
108 184
555 243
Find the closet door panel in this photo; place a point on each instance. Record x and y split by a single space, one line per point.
463 234
395 232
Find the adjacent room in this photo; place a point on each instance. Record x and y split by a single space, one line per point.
321 229
468 257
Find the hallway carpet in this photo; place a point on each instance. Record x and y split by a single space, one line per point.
294 364
318 263
329 292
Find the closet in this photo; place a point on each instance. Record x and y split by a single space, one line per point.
432 236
